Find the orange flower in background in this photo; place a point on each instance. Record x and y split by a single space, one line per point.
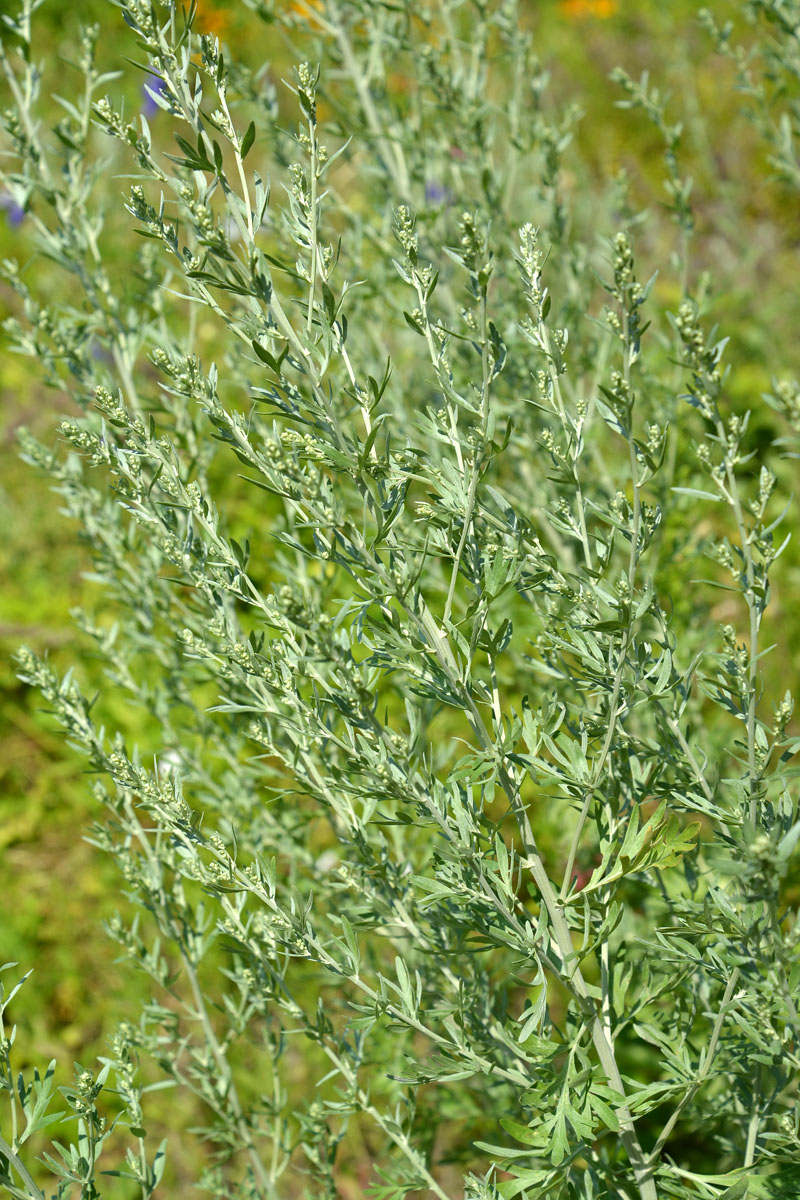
305 9
589 8
212 19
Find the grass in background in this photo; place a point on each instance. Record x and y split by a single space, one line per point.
61 885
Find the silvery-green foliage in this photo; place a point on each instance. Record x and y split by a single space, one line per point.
768 75
458 794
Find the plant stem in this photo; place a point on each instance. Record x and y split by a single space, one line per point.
613 708
392 151
544 335
750 599
239 166
666 1132
224 1069
752 1126
478 452
18 1165
312 221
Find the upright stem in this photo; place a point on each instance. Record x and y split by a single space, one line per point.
472 492
239 166
558 921
392 151
750 599
613 710
391 1128
605 1050
752 1127
666 1132
223 1066
312 224
18 1165
544 334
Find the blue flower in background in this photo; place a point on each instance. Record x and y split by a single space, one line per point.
15 213
155 84
99 352
437 194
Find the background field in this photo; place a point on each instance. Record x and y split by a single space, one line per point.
748 231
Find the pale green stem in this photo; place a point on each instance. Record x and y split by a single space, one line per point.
16 1163
223 1066
472 492
392 150
312 221
614 704
603 1046
666 1132
544 334
555 912
401 1142
605 988
239 166
750 599
674 726
434 356
364 409
752 1127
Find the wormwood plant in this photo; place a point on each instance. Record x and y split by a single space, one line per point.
460 828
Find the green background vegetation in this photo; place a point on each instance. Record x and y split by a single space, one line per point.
748 233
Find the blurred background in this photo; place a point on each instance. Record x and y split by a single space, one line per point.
62 888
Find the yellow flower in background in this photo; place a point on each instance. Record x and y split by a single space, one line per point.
589 8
